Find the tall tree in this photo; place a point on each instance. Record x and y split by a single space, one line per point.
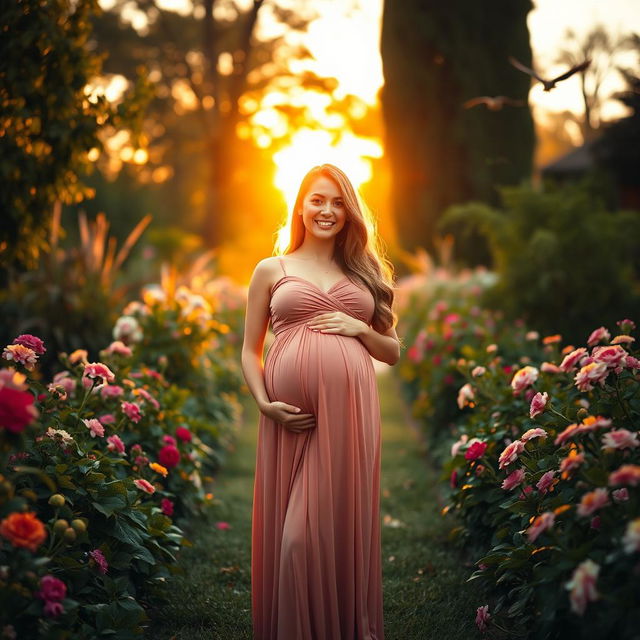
435 57
48 122
214 58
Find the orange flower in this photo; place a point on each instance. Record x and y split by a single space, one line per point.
23 530
158 468
552 339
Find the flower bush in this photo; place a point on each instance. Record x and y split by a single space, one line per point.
443 325
544 477
96 465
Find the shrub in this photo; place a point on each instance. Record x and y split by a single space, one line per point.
544 478
564 263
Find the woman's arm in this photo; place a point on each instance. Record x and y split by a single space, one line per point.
256 322
382 346
255 328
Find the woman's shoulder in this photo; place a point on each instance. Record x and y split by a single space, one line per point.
267 271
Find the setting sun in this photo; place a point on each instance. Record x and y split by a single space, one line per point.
311 147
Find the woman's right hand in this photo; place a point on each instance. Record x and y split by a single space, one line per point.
289 416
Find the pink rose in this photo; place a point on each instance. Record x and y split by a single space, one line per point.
107 418
591 374
51 588
120 348
111 391
115 444
620 439
620 495
631 363
482 617
572 359
510 454
592 501
97 370
21 354
31 342
582 586
613 356
478 371
513 479
94 427
144 485
132 411
64 379
628 474
523 378
541 523
223 525
147 397
167 439
626 325
101 562
598 336
549 367
546 481
530 434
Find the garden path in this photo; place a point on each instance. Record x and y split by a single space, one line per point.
425 593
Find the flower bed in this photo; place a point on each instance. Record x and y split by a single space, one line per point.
544 478
98 462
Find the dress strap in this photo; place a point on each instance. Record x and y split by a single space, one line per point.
282 266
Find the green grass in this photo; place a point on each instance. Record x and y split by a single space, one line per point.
425 594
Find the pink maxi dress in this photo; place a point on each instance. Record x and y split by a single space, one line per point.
316 570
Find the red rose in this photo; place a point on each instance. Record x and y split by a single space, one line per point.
51 588
183 434
16 409
475 451
169 456
167 506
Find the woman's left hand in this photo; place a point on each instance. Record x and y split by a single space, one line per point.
338 322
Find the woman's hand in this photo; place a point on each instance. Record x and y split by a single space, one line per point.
289 416
338 322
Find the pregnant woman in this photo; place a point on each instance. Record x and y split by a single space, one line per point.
316 571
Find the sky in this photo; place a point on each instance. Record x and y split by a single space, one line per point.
547 23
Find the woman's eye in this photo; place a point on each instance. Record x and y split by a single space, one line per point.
316 201
339 203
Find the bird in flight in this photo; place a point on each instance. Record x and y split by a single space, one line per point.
549 84
493 103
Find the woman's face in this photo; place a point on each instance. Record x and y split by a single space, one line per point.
323 202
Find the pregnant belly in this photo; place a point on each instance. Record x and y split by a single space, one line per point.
302 364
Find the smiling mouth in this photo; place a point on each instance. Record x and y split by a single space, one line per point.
324 224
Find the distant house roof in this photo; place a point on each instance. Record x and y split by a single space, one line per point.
577 161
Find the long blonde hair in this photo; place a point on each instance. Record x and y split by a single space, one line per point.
358 250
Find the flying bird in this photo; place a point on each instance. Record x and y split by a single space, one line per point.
493 103
549 84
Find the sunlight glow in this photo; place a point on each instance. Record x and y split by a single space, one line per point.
311 147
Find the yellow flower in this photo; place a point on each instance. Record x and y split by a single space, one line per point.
158 468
